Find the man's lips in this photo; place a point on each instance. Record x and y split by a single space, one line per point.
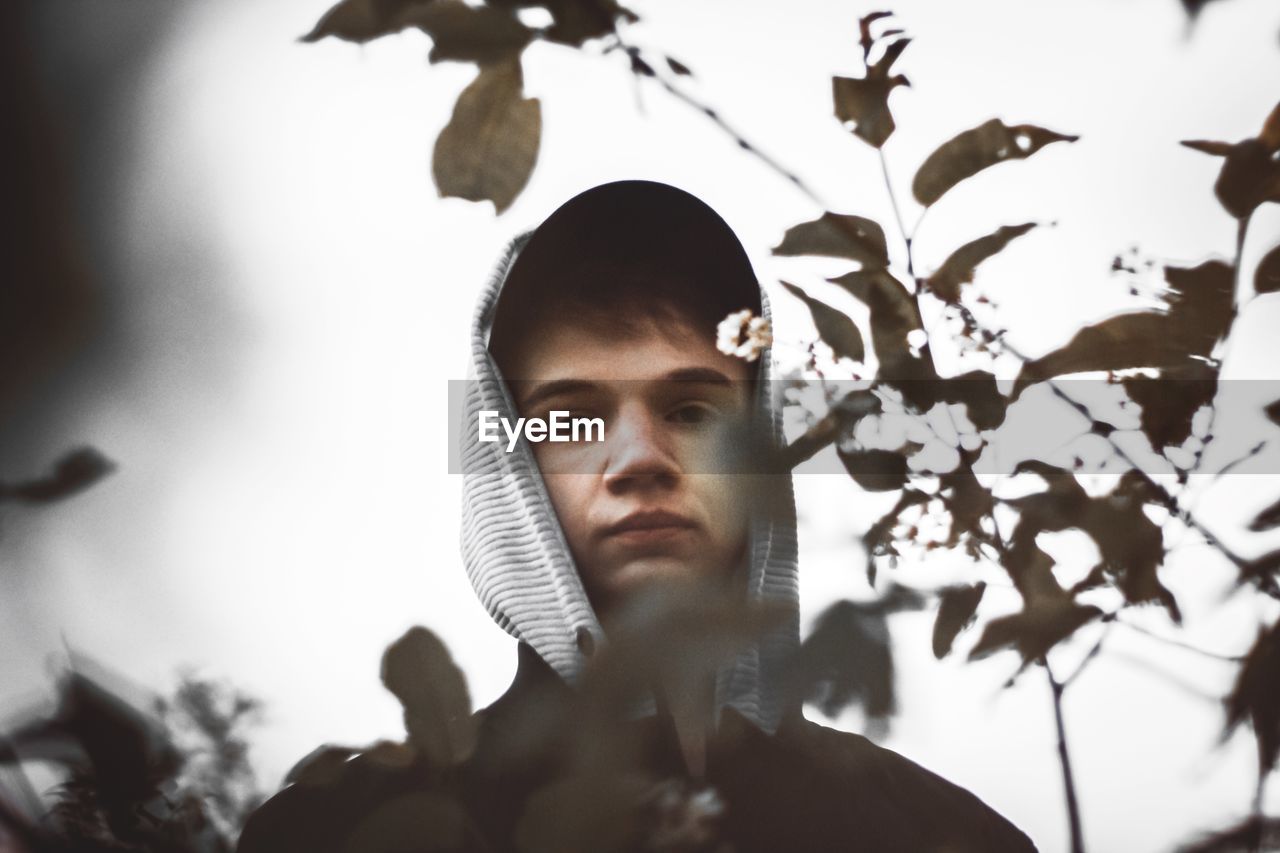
647 526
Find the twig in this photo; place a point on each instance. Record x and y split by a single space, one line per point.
1170 641
1096 649
742 142
897 214
1068 779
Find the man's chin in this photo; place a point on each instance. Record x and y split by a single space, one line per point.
646 573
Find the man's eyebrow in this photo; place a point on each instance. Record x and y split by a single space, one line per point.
698 374
555 388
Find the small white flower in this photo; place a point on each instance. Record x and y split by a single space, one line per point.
743 335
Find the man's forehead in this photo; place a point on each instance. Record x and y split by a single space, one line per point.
644 351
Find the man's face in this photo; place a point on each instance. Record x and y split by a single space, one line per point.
639 508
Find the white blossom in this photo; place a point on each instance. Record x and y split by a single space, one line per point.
743 335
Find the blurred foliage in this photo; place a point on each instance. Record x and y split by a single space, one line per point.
171 777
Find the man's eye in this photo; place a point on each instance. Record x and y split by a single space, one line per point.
692 413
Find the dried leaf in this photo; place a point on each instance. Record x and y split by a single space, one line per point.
124 751
957 610
1036 629
678 67
464 33
1260 568
967 500
576 22
864 27
1272 411
419 670
488 149
1268 519
1256 697
1170 401
876 470
1131 544
862 104
837 235
960 265
878 540
74 472
834 327
971 151
1200 312
847 660
361 20
1205 146
1250 173
1266 278
894 315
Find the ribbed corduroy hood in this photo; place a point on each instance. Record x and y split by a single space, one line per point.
520 565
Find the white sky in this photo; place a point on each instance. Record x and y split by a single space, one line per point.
280 517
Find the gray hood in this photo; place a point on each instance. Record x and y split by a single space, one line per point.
520 564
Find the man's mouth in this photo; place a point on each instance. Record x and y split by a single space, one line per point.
649 526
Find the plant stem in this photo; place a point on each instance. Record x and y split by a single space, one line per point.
897 214
1064 759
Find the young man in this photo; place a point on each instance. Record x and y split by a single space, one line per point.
649 574
609 310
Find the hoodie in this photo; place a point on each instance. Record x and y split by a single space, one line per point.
523 572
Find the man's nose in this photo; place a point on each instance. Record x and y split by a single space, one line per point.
639 455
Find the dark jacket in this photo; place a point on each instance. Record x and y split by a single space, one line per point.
807 788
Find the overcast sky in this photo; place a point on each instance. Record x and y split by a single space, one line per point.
297 298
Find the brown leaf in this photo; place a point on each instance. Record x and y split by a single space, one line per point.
967 500
1268 519
957 610
488 149
1131 544
834 327
863 103
464 33
960 265
1266 278
419 670
1256 696
74 472
878 540
876 470
1200 312
1272 411
971 151
1250 173
1170 401
981 397
893 315
1206 146
678 67
362 20
1035 630
837 235
1262 568
847 660
577 21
